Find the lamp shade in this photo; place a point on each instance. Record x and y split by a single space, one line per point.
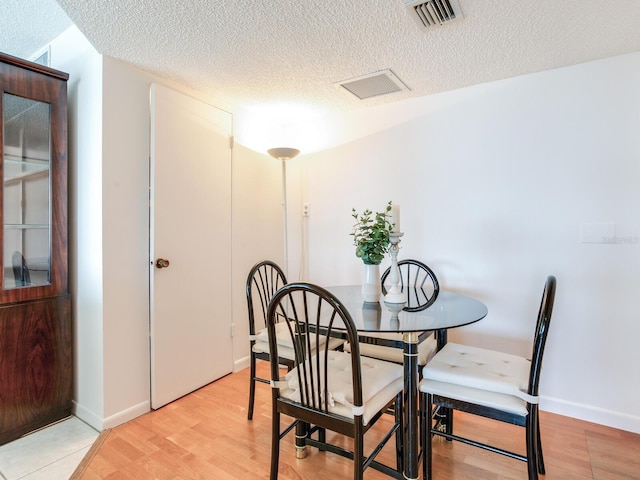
283 153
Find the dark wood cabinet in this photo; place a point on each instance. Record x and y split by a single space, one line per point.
35 308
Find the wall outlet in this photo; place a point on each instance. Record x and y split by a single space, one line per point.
305 209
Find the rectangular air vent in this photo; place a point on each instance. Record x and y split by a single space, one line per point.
374 84
433 12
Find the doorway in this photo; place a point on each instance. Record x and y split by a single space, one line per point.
190 244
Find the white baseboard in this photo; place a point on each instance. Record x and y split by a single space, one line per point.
241 364
87 416
128 414
119 418
592 414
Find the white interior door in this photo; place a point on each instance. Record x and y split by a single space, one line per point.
190 208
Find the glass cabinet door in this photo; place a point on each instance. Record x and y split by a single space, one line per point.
26 197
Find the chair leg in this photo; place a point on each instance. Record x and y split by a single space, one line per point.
252 388
532 445
358 456
448 421
399 432
541 469
322 436
275 444
423 431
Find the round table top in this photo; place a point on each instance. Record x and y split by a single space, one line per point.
449 310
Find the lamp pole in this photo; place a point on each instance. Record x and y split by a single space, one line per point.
283 154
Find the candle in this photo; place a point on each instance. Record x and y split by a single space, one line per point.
395 218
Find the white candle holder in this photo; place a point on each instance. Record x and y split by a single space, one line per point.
394 292
395 309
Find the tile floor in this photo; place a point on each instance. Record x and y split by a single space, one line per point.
52 453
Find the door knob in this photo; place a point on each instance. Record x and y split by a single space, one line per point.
162 263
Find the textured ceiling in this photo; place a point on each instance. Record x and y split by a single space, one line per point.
26 26
248 54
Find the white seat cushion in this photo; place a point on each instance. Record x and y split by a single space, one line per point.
478 375
283 352
381 382
426 349
500 401
285 345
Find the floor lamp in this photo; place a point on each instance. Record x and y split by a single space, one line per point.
283 154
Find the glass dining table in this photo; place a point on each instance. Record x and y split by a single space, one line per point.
449 310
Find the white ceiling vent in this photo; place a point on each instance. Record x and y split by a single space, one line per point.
373 84
430 13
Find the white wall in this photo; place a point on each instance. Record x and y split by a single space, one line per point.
72 53
494 183
125 227
108 224
257 232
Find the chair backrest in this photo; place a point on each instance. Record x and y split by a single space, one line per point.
417 281
307 306
542 330
264 280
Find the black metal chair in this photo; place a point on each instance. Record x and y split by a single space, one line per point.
421 287
263 281
492 384
327 389
418 282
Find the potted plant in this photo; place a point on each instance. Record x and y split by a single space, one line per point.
371 239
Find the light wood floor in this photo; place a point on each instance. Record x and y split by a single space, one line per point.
206 435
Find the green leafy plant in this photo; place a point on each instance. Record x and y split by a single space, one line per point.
371 234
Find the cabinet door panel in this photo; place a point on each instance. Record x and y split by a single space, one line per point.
26 192
33 143
35 365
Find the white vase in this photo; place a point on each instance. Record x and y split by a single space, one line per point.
371 286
